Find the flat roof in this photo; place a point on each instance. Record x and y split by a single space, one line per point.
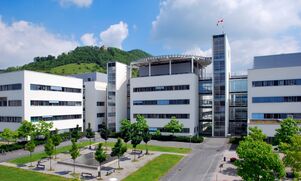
203 61
277 61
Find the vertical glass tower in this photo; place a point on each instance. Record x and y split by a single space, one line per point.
221 75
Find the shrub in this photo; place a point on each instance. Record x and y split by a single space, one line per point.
235 140
194 139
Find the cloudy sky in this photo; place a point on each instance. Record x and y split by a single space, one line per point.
254 27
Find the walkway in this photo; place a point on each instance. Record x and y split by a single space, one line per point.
201 163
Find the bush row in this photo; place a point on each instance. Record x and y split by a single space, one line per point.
193 139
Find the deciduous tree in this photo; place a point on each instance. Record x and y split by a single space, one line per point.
100 156
74 152
49 149
30 146
118 150
174 126
89 134
288 128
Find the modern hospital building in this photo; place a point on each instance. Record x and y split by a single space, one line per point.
218 104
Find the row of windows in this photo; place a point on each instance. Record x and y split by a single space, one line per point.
55 118
276 99
164 116
54 88
275 115
10 87
276 83
100 103
12 103
161 102
10 119
100 115
161 88
55 103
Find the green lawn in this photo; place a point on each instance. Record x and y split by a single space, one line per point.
17 174
38 156
157 148
155 169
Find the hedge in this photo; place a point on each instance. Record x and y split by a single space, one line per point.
194 139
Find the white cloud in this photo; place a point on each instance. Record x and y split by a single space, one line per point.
78 3
114 35
21 41
198 51
88 39
187 24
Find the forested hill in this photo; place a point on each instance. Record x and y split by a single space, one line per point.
81 60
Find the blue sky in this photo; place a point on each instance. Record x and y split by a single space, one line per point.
40 27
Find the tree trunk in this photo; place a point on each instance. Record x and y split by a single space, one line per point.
74 166
118 161
89 143
106 144
30 159
54 152
50 163
99 173
146 149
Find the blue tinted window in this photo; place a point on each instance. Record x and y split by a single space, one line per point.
205 87
276 99
238 85
257 116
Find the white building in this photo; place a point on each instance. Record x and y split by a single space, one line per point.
274 91
167 86
94 98
33 96
117 98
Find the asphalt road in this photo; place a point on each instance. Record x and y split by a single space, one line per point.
201 164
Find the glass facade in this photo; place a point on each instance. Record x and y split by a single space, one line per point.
262 116
161 88
39 87
10 87
55 118
238 85
111 102
219 80
164 116
205 103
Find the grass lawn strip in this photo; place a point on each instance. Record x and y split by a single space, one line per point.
156 148
38 156
155 169
17 174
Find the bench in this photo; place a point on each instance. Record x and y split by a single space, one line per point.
40 166
141 155
109 172
86 174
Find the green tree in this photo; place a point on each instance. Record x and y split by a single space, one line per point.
8 135
27 129
75 134
30 146
89 134
292 151
74 152
100 156
174 126
118 150
256 134
105 133
57 139
49 150
42 128
288 128
257 161
126 130
146 138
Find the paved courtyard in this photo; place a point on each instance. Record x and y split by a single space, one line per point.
201 163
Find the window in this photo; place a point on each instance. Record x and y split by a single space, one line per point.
9 87
10 119
54 88
205 87
3 101
164 116
238 85
266 83
276 99
100 103
262 116
54 103
14 103
161 102
55 118
161 88
100 115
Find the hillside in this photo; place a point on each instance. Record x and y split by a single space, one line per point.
81 60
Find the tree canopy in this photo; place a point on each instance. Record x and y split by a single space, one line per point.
257 161
174 126
288 128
